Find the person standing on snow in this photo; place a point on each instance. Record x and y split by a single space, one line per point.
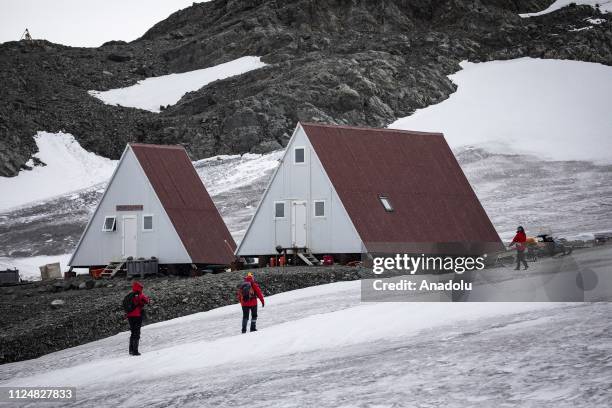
248 293
133 304
519 241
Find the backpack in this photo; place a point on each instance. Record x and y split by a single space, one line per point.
246 291
128 302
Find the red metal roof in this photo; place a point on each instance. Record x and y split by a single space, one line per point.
185 199
432 199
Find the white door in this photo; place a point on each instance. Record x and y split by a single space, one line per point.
298 223
130 236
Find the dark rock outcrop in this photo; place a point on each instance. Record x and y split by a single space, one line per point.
351 62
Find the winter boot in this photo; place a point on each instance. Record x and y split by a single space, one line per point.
131 346
253 324
244 325
135 348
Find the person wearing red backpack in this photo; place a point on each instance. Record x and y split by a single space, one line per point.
248 293
133 304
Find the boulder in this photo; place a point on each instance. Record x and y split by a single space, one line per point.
347 98
61 286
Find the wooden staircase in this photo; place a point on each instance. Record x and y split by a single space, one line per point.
112 269
308 258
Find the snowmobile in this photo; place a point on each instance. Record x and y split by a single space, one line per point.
547 245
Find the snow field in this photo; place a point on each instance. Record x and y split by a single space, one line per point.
336 329
151 93
552 109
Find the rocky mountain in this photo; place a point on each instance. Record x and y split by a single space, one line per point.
338 61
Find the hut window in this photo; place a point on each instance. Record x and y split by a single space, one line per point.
279 209
299 155
147 223
386 203
319 208
110 224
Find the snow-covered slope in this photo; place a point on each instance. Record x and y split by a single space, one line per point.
68 167
151 93
225 173
334 310
605 6
321 347
565 197
553 109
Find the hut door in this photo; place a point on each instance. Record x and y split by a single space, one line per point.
130 236
298 224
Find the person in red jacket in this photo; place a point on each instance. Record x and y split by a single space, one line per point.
248 293
135 315
519 241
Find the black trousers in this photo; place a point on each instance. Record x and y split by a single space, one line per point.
135 325
245 312
245 317
520 257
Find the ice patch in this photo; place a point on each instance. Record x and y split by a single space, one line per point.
68 167
221 174
596 21
604 6
151 93
553 109
573 30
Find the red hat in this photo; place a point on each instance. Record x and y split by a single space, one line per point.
137 286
